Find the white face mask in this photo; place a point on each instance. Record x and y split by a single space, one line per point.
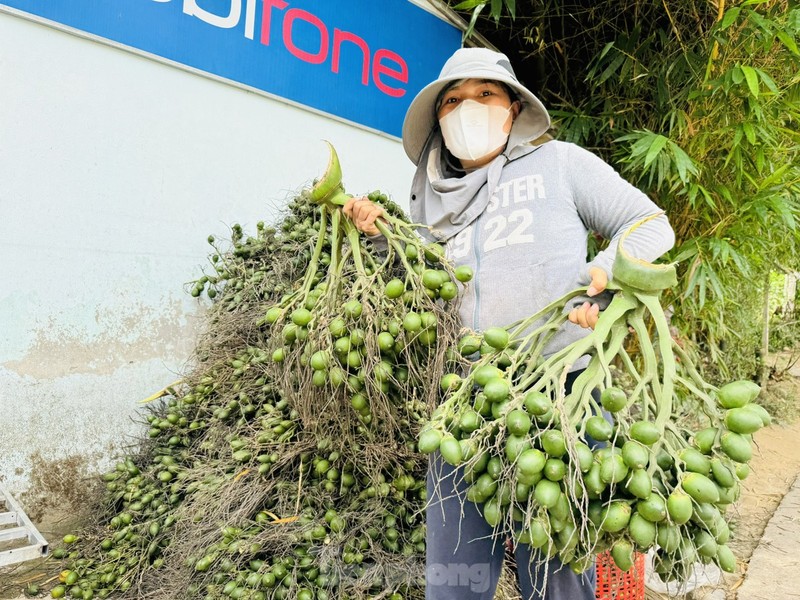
473 130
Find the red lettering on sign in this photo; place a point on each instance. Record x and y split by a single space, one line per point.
387 66
266 14
322 54
340 36
379 69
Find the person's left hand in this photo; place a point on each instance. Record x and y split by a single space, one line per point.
587 314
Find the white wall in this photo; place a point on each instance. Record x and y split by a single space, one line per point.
114 169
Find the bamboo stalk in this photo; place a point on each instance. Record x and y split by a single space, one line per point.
715 48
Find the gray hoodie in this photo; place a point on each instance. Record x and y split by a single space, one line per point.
528 245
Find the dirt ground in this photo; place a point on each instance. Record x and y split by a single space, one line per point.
774 467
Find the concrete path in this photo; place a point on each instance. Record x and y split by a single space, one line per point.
774 570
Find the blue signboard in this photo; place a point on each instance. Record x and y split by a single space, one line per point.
361 60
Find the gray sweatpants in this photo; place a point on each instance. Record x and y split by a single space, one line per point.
464 560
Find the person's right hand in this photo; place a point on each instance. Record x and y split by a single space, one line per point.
363 212
588 314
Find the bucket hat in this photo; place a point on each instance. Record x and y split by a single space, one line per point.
471 63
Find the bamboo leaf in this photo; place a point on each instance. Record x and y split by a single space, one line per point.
701 286
774 177
685 253
664 167
749 132
725 192
719 249
737 139
683 162
475 14
611 68
642 145
737 75
793 19
729 17
716 284
767 81
469 4
497 10
596 63
511 5
709 198
655 147
623 138
740 262
692 189
765 25
694 275
761 159
748 176
781 207
752 79
643 140
788 41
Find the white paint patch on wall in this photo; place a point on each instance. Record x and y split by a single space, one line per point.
113 171
85 415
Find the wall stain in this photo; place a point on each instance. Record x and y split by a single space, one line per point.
129 334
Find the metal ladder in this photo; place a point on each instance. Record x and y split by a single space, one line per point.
15 526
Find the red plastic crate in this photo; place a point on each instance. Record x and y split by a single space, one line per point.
613 584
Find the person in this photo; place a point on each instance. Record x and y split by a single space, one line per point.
519 213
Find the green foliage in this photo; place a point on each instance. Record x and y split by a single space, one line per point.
784 314
698 107
785 333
